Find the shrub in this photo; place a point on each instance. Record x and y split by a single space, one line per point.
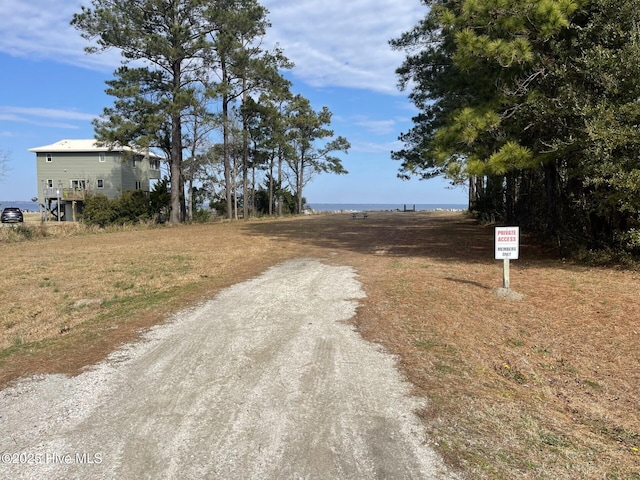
132 206
160 201
200 215
98 210
629 240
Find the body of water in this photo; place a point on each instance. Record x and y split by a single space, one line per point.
318 207
369 207
22 205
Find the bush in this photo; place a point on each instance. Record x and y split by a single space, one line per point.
200 215
629 241
160 201
133 206
219 204
289 200
98 210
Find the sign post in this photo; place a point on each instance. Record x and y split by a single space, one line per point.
507 248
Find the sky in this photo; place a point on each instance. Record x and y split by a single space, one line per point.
51 90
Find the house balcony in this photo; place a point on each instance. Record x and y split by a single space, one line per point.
68 194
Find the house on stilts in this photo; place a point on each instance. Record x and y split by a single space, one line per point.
69 170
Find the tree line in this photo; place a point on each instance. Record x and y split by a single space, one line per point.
197 83
535 106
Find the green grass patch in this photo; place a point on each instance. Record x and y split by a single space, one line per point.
426 343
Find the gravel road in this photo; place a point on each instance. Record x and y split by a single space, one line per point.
265 381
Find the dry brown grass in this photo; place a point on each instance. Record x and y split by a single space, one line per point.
545 387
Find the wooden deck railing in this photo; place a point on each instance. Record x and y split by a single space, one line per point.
69 194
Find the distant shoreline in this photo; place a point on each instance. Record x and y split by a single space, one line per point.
316 207
392 207
23 205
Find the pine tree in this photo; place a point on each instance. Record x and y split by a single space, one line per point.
536 103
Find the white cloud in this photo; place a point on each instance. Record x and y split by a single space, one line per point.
46 113
338 43
41 30
47 117
333 43
377 127
384 148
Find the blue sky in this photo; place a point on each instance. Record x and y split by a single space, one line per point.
51 90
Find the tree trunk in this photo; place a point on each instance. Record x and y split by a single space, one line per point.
183 196
189 201
225 144
510 197
253 189
176 152
300 182
245 190
270 185
235 190
245 155
280 182
553 200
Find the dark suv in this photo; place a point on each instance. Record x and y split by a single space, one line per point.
11 214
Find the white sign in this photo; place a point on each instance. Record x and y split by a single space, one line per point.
507 243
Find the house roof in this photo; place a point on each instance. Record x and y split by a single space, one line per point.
83 145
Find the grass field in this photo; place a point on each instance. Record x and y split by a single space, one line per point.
542 387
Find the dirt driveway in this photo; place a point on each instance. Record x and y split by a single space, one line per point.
264 381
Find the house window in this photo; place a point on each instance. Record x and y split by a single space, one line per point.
138 185
78 184
102 157
100 183
49 157
49 183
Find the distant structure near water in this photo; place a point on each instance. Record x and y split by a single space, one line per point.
69 169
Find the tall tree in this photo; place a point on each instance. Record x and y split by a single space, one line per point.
469 77
257 75
306 128
170 38
199 123
536 100
268 129
242 66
